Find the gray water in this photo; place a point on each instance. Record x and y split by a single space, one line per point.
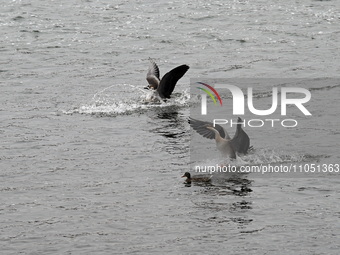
87 168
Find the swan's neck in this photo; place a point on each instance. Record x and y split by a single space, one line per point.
218 137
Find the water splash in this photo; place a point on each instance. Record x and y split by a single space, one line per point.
126 99
265 156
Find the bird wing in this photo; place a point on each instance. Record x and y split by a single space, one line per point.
169 80
201 128
153 75
240 140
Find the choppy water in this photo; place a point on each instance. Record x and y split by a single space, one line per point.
87 168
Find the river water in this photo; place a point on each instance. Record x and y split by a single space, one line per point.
87 167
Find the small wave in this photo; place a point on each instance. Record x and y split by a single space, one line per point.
325 87
126 99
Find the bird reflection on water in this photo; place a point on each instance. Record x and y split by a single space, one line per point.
224 200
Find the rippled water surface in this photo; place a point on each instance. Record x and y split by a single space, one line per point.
88 167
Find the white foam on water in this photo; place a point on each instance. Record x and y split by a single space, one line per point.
125 99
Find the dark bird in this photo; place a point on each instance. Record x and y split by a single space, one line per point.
227 146
190 179
166 85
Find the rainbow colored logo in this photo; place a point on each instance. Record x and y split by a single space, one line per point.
209 93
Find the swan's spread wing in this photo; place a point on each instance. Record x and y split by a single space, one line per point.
169 80
240 140
201 128
153 75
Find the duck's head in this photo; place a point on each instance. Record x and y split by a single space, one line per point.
187 174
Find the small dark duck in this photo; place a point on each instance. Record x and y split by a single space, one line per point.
196 178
